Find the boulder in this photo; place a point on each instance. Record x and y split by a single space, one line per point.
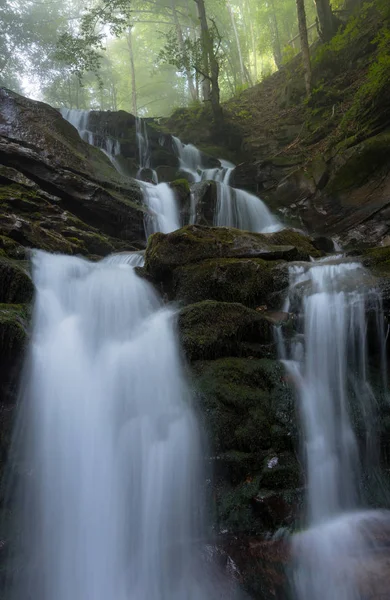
211 330
192 244
15 283
14 321
43 155
253 282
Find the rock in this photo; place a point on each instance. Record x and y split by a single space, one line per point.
166 174
250 281
247 406
192 244
43 155
205 200
214 329
14 319
15 283
323 243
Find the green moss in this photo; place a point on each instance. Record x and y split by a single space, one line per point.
192 244
378 259
13 329
363 161
236 392
250 281
15 283
213 329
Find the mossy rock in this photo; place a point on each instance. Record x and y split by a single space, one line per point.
250 281
15 283
195 243
247 405
213 329
360 163
14 320
378 259
11 248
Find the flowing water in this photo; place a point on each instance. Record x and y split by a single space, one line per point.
234 208
328 361
111 503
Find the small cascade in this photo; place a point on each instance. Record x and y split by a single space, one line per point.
237 208
234 208
190 159
328 362
132 259
109 448
80 120
144 148
162 210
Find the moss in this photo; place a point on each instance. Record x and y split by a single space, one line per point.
213 329
233 392
361 163
250 281
192 244
15 283
378 259
182 185
13 329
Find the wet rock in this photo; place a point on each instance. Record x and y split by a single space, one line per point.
252 281
323 243
191 244
205 200
14 321
15 283
214 329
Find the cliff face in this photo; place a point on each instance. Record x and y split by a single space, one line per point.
323 163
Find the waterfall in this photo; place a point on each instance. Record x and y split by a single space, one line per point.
133 259
163 213
237 208
190 158
144 156
234 208
111 456
328 361
80 120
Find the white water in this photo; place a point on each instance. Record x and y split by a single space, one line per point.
80 120
235 208
133 259
329 364
163 212
111 505
144 155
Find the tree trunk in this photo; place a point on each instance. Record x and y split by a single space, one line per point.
132 72
327 20
304 44
277 50
205 36
233 20
180 40
212 62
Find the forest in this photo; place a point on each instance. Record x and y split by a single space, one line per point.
150 56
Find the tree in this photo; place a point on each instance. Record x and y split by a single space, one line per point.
304 44
328 23
210 62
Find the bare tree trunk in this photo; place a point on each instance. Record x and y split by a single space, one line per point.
277 49
204 29
212 62
327 20
302 26
233 20
254 51
132 72
180 39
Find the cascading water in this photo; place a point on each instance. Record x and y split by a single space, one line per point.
163 213
80 120
111 460
329 365
235 208
144 155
